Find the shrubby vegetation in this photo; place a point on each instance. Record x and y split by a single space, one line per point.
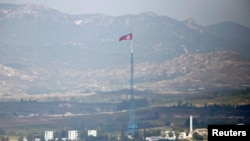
153 111
124 105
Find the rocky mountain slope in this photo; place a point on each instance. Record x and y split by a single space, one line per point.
43 51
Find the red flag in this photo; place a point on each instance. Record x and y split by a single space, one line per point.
126 37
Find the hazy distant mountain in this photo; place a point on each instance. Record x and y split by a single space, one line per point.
43 48
232 32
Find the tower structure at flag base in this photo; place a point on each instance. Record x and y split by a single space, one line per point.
132 126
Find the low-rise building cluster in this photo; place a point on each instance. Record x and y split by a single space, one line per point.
73 135
171 135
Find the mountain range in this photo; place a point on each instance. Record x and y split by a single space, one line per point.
43 50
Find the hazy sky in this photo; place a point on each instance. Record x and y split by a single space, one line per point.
204 12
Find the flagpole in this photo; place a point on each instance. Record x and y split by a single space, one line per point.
132 47
132 127
132 122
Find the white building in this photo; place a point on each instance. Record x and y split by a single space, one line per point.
72 134
48 135
201 131
170 135
92 133
153 138
25 139
182 135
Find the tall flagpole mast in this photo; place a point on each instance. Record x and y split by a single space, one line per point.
132 126
132 123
